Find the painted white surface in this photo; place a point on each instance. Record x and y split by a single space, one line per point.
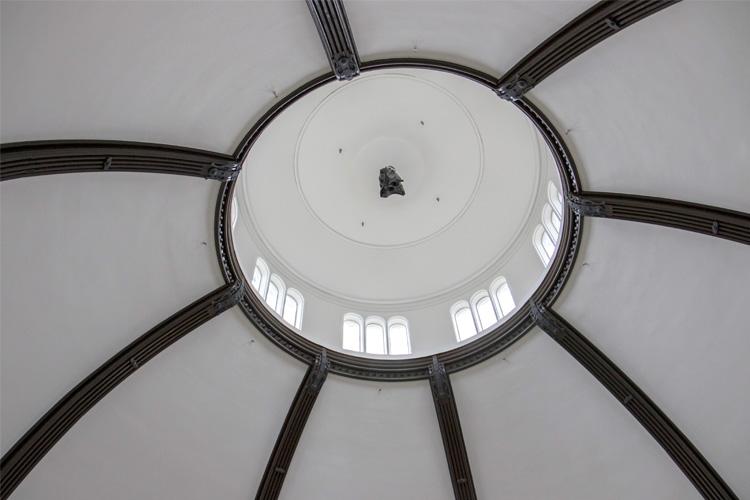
89 263
356 446
412 249
538 425
187 73
670 308
487 34
198 421
661 109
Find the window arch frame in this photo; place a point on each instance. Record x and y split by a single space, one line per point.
360 322
454 310
264 273
380 322
477 297
539 233
398 321
548 213
296 296
555 199
497 284
281 297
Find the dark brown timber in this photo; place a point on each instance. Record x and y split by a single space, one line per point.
675 443
26 159
291 431
30 449
593 26
336 34
704 219
450 430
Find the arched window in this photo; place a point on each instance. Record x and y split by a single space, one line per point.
353 340
398 336
235 213
375 337
501 296
543 244
463 321
483 309
555 198
551 221
276 293
260 277
293 306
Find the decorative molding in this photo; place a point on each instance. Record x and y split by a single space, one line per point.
703 219
595 25
587 207
675 443
456 359
38 440
27 159
336 35
291 431
450 430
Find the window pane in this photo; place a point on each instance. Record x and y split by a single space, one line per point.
486 313
505 299
375 339
351 336
272 296
290 310
556 223
398 337
465 324
549 246
256 278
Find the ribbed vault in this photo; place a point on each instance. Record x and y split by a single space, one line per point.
91 262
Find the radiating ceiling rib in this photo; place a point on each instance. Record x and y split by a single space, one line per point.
32 447
720 222
703 476
593 26
27 159
450 430
291 430
336 35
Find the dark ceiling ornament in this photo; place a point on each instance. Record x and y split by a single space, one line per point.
453 360
336 35
598 23
390 182
687 457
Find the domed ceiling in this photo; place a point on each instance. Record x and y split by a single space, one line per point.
622 372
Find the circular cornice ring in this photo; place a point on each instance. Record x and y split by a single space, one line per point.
455 359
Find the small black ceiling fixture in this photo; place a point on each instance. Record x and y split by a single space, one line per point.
390 182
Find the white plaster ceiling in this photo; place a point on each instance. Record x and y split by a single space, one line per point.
659 109
473 167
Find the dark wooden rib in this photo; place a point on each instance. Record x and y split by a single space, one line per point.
30 449
675 443
590 28
704 219
336 35
27 159
291 431
450 430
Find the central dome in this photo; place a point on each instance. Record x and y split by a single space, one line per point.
475 172
398 120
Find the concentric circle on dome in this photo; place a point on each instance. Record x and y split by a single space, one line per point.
401 120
